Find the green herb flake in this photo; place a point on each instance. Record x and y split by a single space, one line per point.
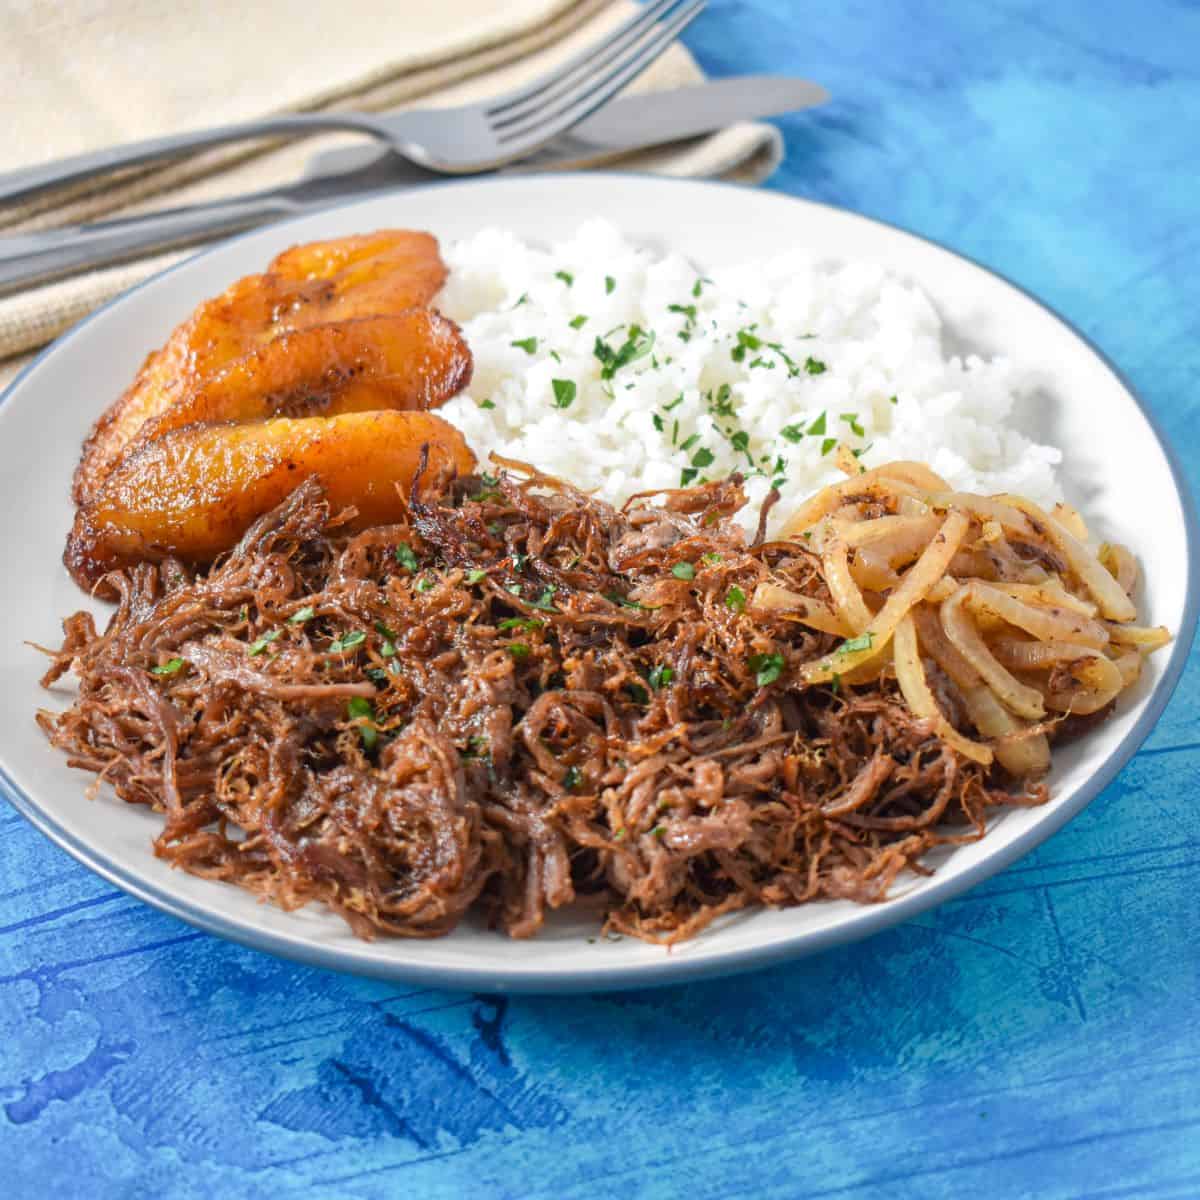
610 285
377 677
347 641
791 433
817 428
674 403
702 458
171 667
852 420
683 570
853 645
658 831
660 677
564 392
578 322
301 615
766 667
384 631
712 557
546 600
518 650
657 422
529 345
638 343
685 310
565 276
487 404
827 445
263 642
475 575
639 693
740 440
735 598
522 623
425 584
814 366
688 443
836 685
572 779
687 475
361 709
406 558
893 400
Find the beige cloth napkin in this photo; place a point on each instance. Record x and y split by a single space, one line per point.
91 73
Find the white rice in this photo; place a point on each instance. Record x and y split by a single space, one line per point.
887 389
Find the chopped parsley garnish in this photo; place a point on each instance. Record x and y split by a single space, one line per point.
487 404
735 598
688 443
697 288
519 560
791 433
347 641
529 345
657 422
683 570
523 298
746 340
817 428
405 557
893 400
827 445
836 685
564 392
475 575
572 779
862 642
637 344
578 322
766 667
639 693
740 440
565 276
685 310
712 557
814 366
377 677
609 285
301 615
722 403
522 623
702 458
170 667
263 642
687 475
425 584
658 831
622 601
361 709
546 600
660 677
518 649
852 420
384 631
674 403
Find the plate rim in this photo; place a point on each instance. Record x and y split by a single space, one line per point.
668 970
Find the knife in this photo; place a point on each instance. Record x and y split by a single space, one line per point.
631 123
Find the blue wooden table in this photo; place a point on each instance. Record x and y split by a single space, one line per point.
1039 1037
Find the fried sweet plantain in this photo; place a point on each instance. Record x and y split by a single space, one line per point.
375 274
416 360
195 491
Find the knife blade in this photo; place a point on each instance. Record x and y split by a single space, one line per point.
623 125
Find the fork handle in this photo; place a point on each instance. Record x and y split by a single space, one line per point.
31 181
33 258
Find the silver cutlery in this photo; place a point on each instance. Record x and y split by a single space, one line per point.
630 123
460 140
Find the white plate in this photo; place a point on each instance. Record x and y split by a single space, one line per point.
1118 471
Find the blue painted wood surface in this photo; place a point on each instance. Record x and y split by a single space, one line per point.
1039 1037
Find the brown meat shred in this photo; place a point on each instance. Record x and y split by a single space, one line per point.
518 698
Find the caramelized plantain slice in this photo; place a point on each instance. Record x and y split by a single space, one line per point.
195 491
416 360
375 274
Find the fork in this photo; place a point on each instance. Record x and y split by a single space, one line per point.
455 141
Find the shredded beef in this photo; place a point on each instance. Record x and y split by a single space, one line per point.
561 700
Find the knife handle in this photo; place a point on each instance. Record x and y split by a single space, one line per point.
32 258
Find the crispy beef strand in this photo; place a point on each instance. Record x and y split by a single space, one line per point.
561 700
